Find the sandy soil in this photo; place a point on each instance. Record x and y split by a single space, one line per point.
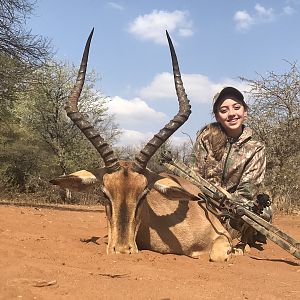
60 254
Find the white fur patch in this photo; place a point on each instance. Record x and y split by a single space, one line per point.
76 181
161 188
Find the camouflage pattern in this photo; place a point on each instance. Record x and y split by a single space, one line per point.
236 165
247 225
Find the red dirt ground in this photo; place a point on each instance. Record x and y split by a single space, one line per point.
43 256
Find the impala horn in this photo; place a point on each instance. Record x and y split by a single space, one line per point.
106 152
179 119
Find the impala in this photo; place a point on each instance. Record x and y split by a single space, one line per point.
145 210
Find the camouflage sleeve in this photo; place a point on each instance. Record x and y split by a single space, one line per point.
252 177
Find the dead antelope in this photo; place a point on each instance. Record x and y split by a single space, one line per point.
138 208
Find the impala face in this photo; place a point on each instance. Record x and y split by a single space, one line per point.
125 191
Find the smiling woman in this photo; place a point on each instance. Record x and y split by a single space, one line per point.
226 154
230 111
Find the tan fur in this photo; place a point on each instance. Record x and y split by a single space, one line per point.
77 181
124 189
167 219
182 227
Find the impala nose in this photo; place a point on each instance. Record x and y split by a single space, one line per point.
124 249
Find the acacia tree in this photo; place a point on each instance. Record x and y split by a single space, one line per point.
21 52
47 117
46 139
21 158
15 40
181 152
275 118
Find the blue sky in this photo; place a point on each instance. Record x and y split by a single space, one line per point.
215 40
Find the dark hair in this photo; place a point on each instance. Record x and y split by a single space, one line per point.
224 94
217 139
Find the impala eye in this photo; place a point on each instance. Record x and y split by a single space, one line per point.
103 197
144 194
141 200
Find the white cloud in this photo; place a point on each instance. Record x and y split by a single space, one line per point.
138 138
133 113
185 32
288 10
162 86
115 5
152 26
133 137
264 13
199 87
244 20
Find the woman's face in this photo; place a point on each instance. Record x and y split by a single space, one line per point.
231 115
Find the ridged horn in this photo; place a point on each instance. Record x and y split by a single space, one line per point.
106 152
179 119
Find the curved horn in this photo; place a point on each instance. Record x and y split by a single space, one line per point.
107 154
153 145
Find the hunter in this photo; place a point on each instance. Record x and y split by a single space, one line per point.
226 154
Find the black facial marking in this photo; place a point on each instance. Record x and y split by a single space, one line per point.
124 219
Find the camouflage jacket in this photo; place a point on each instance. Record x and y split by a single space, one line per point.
239 167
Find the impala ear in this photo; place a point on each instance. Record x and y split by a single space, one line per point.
172 190
78 181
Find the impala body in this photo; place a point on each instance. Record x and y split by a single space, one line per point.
145 210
